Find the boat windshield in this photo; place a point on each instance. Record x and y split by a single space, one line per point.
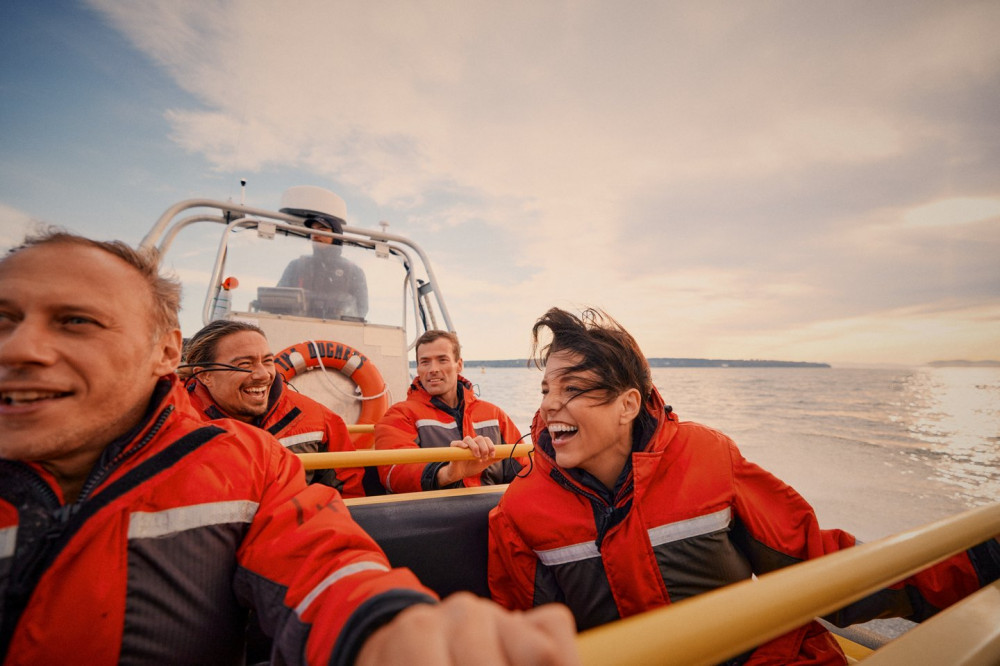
292 275
269 266
276 275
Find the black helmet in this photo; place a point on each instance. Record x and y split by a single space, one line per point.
325 223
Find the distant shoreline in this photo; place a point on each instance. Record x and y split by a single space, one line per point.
965 364
668 363
665 362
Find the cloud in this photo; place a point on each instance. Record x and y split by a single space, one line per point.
695 168
911 336
953 212
501 98
14 224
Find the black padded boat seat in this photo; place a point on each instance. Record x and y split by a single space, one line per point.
442 536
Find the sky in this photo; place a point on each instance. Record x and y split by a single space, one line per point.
790 180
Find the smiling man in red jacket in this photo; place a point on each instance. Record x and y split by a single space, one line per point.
233 376
441 409
132 531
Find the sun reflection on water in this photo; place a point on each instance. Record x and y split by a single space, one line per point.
956 413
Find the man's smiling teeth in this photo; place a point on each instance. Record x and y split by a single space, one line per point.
20 397
256 391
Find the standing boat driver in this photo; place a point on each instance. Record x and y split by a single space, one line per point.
441 409
233 376
628 508
132 531
335 287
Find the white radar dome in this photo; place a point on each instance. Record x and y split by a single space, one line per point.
312 201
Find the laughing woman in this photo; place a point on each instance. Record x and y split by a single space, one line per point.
628 508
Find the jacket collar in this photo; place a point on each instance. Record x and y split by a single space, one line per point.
162 404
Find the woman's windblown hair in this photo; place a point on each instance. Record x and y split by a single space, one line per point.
601 346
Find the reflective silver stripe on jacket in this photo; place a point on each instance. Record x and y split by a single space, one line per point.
8 540
491 423
434 423
682 529
692 527
567 554
340 573
292 440
147 525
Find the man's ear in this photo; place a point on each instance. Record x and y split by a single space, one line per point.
167 353
631 402
461 364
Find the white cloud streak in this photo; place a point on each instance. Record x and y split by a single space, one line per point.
731 180
14 224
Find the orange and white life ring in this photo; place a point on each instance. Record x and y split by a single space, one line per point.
351 363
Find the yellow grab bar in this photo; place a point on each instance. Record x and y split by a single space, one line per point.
360 427
370 457
718 625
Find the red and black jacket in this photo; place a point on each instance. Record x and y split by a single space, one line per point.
182 528
301 425
425 421
689 514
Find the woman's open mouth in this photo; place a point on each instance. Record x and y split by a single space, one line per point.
561 433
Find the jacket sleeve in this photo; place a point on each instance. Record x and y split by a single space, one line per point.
508 431
338 439
777 527
511 566
319 584
949 581
397 429
512 435
359 289
505 470
294 273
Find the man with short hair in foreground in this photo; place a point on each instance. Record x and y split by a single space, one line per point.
233 376
131 531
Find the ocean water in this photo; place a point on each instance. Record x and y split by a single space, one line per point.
875 451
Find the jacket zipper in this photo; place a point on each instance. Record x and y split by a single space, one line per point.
99 475
24 568
61 513
603 511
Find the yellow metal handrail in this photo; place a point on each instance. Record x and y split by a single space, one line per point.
360 427
718 625
371 457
